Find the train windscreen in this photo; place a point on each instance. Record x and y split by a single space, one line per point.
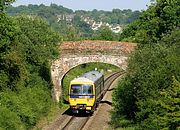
81 89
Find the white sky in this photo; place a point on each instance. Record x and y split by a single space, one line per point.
91 4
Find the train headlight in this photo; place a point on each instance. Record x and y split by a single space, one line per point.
89 100
73 99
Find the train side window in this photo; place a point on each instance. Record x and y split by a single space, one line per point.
102 84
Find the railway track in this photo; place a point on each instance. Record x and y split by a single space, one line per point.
77 122
110 79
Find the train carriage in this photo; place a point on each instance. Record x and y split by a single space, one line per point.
86 91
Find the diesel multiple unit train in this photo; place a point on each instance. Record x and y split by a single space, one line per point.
86 91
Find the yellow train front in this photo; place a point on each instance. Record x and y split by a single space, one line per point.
86 91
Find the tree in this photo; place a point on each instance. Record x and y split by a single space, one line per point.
12 62
104 33
148 96
160 18
27 46
166 109
4 4
150 72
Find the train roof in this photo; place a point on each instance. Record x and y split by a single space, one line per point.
81 79
91 76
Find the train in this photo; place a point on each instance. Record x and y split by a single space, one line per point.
86 92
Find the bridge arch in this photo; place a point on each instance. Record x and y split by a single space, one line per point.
72 57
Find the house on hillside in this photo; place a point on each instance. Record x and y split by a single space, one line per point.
96 25
116 28
63 17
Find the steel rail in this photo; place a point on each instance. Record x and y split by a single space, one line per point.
68 123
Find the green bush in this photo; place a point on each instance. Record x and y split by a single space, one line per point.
138 96
27 46
160 18
148 95
10 120
28 105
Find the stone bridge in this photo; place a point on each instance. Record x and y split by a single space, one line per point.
73 54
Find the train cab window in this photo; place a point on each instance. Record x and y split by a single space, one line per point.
81 89
76 89
87 89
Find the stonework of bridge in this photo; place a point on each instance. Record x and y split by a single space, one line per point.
73 54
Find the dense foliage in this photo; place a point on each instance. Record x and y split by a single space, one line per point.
104 33
148 98
27 46
4 4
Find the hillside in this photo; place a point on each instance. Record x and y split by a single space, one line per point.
82 23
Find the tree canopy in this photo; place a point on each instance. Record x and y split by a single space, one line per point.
27 46
154 23
148 97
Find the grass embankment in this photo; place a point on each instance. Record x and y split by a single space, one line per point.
53 115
